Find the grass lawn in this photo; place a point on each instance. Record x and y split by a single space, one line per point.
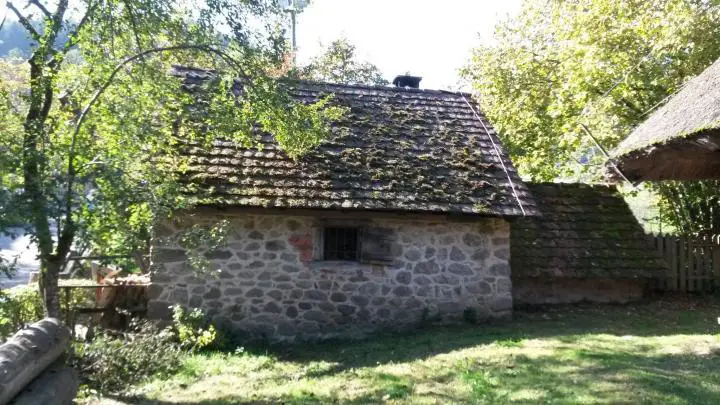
653 353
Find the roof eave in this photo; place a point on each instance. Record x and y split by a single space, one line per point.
693 157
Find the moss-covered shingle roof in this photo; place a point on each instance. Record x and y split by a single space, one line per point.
394 149
582 231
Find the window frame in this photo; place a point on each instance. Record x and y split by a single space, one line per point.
358 230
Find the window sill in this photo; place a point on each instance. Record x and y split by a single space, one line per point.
343 265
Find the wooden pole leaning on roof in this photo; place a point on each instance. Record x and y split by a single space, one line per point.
606 154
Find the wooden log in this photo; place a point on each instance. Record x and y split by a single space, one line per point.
28 353
57 386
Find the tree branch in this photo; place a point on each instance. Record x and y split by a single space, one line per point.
140 55
24 22
72 37
57 18
42 8
65 239
133 24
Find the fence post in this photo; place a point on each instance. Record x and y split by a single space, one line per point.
672 245
667 255
716 261
693 263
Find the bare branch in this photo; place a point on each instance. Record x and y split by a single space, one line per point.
42 8
2 23
24 21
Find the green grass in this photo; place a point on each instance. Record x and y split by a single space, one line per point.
654 353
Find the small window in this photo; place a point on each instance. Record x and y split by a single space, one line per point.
341 243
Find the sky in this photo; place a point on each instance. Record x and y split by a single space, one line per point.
428 38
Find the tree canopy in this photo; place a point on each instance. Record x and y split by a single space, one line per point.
338 63
88 144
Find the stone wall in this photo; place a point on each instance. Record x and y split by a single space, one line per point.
270 282
529 291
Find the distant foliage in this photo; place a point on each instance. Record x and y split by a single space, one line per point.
339 64
691 207
15 42
19 307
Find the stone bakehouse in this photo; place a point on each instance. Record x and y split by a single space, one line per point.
400 217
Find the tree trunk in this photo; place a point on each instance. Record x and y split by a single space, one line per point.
49 275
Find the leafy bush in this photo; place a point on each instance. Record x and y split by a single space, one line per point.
22 305
114 363
19 307
194 330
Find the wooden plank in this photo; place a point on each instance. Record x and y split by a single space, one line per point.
675 263
693 261
716 267
692 265
682 263
665 251
702 272
707 266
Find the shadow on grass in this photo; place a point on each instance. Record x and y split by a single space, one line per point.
598 377
386 387
300 399
569 376
567 324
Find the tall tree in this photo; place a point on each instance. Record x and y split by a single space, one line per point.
89 149
563 72
338 63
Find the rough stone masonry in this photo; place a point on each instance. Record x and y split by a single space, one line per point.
271 283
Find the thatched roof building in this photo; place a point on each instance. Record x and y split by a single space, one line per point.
681 140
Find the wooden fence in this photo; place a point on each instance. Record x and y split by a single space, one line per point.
693 262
